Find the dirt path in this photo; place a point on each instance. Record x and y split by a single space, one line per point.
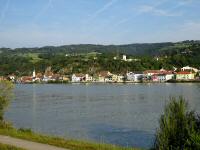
27 144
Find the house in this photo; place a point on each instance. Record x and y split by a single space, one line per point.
12 78
55 77
48 75
26 79
120 78
114 77
78 77
36 77
184 75
135 76
169 76
188 68
105 76
162 77
2 78
64 78
149 73
46 79
161 71
155 78
39 76
88 78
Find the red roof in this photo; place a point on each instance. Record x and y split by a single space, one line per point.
80 75
104 73
183 72
159 71
26 78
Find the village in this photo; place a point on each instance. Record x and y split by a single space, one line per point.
184 74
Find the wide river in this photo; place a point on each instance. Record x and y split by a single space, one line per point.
122 114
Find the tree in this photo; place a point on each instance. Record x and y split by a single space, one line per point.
177 127
6 88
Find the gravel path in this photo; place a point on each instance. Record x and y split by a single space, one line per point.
27 144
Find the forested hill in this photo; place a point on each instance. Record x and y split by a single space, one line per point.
84 59
151 49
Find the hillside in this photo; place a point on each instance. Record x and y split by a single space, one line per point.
94 58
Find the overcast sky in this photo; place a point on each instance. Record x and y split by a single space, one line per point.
33 23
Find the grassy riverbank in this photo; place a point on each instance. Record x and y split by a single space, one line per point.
56 141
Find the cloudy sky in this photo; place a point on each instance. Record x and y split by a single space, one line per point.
32 23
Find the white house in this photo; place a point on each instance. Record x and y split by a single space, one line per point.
46 79
88 78
11 78
120 78
188 68
78 77
169 77
135 76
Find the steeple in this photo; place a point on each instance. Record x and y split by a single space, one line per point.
34 74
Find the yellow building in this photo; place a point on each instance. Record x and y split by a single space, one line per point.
184 75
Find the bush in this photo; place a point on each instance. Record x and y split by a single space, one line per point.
178 127
6 88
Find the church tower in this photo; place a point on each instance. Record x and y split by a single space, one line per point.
34 74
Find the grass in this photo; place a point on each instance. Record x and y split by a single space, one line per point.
9 147
27 134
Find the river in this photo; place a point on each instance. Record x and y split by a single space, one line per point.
122 114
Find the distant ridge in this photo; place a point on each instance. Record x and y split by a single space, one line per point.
131 49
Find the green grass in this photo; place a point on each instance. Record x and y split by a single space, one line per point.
27 134
9 147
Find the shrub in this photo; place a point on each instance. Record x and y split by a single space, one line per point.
178 126
6 88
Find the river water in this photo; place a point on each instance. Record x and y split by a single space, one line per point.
122 114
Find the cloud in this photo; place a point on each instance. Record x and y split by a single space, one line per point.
44 9
155 11
3 13
184 2
141 11
103 9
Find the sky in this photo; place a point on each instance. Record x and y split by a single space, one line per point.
36 23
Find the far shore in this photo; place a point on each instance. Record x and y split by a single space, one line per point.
126 82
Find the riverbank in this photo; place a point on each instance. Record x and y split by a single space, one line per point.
183 81
9 147
29 135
